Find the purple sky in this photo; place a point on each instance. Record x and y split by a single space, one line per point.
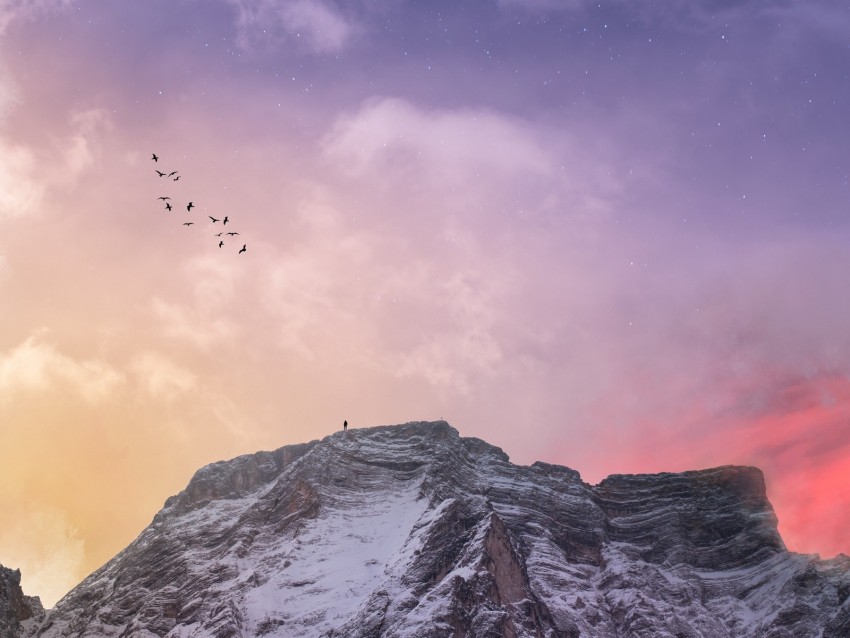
608 235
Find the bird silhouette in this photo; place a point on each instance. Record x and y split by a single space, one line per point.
167 201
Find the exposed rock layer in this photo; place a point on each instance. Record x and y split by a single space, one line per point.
18 612
413 531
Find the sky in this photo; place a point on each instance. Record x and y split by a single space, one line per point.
609 235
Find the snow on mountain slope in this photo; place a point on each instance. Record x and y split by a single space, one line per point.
333 563
413 531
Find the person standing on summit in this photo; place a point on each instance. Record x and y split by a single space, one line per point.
344 426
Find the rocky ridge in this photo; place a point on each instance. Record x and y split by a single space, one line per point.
414 531
18 613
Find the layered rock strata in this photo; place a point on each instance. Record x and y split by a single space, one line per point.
414 531
19 614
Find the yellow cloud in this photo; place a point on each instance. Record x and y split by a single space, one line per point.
38 366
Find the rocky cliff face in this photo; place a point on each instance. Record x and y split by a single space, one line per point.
18 613
414 531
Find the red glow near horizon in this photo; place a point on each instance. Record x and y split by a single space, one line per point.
799 437
804 454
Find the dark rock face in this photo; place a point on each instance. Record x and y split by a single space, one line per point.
412 531
663 517
17 612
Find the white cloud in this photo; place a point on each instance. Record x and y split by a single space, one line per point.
213 280
207 320
456 168
192 325
20 190
37 366
14 10
27 175
458 267
79 150
303 289
325 29
454 145
162 378
462 343
78 155
315 25
451 360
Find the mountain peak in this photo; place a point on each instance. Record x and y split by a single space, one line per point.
225 479
412 530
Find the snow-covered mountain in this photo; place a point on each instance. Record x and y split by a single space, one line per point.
413 531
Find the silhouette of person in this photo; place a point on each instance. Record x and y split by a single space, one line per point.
344 425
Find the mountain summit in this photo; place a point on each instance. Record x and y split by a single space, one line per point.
413 531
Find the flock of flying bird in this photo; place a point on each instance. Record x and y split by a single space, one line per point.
174 176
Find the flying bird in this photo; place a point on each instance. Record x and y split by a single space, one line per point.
220 244
160 173
172 173
167 206
155 158
219 234
232 234
188 223
243 249
163 198
176 178
225 219
212 218
190 206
